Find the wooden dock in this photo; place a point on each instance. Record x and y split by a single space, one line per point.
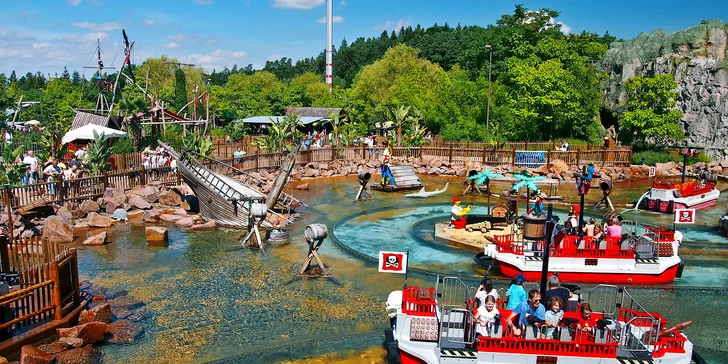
404 176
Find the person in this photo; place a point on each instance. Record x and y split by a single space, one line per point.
387 176
163 160
486 290
589 228
50 172
369 141
32 161
429 136
564 146
572 223
532 307
537 207
7 136
228 140
516 294
239 153
70 172
485 316
147 150
614 229
598 234
586 322
555 290
80 153
583 181
553 316
457 213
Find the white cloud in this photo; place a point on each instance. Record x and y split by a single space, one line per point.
40 45
93 36
171 45
402 23
388 25
215 60
343 2
74 2
103 27
337 19
564 28
297 4
274 57
149 22
210 42
180 38
202 2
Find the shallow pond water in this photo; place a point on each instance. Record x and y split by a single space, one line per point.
208 299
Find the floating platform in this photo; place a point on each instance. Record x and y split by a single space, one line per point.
475 236
404 176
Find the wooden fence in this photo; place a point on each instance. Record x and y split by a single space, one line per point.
43 283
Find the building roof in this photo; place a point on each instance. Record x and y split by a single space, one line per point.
305 120
320 112
84 118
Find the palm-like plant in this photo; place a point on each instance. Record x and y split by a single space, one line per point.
399 114
10 171
415 137
98 155
485 177
526 179
282 135
336 121
198 143
134 109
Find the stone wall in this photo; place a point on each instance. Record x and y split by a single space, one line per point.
697 58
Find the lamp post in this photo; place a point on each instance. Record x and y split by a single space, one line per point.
487 113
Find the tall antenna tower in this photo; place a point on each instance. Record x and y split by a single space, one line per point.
329 44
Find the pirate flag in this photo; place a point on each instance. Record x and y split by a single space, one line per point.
393 262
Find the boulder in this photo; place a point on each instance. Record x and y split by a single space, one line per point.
90 206
127 302
157 235
136 214
124 332
96 220
52 348
210 225
83 355
170 218
302 187
71 342
135 191
98 239
57 231
151 216
100 313
139 202
170 198
558 166
180 212
91 332
114 194
110 206
65 214
29 354
120 312
185 221
150 193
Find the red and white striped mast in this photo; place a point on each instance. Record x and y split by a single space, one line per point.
329 43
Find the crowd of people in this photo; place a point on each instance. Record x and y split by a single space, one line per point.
155 158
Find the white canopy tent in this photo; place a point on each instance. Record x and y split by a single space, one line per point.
87 132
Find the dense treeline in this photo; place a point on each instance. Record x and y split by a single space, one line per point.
544 84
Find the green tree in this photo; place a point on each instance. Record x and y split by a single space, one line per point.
134 108
651 117
180 90
98 155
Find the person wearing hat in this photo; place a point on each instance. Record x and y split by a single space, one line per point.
387 177
583 181
572 223
537 207
555 289
516 294
457 213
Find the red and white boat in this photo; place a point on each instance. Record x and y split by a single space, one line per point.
666 197
436 325
647 255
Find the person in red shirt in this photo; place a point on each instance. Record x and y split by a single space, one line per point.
587 322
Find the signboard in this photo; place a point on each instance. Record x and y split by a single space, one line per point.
653 172
685 216
393 262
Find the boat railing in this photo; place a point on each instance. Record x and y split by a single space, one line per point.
509 344
419 301
674 343
604 298
639 329
458 326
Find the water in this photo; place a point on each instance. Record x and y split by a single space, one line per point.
207 299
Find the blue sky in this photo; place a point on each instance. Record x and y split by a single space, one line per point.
50 34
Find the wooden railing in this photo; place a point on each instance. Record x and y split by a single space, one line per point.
43 283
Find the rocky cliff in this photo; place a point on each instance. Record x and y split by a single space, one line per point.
697 58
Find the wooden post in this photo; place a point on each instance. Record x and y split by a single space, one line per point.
420 153
629 160
10 222
526 147
257 159
106 179
179 178
604 156
59 188
333 152
484 152
548 158
74 278
4 257
577 159
513 158
143 180
56 295
450 157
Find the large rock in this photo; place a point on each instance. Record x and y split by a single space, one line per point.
57 231
170 218
83 355
138 214
151 215
115 194
111 206
185 221
150 193
558 166
139 202
180 212
210 225
90 333
29 354
98 239
169 198
157 235
90 206
71 342
65 214
302 187
96 220
100 313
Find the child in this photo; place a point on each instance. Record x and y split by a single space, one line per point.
486 316
589 228
553 316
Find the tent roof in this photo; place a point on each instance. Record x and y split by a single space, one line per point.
320 112
84 118
266 119
86 132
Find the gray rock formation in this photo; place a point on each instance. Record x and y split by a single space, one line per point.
697 58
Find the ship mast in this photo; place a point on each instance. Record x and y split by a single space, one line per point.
102 104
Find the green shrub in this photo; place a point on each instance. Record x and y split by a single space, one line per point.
122 146
650 158
218 132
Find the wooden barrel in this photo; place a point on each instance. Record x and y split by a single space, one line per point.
259 210
606 186
610 215
533 227
316 232
364 176
712 177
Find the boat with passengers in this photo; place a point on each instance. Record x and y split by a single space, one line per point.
641 255
438 325
666 197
